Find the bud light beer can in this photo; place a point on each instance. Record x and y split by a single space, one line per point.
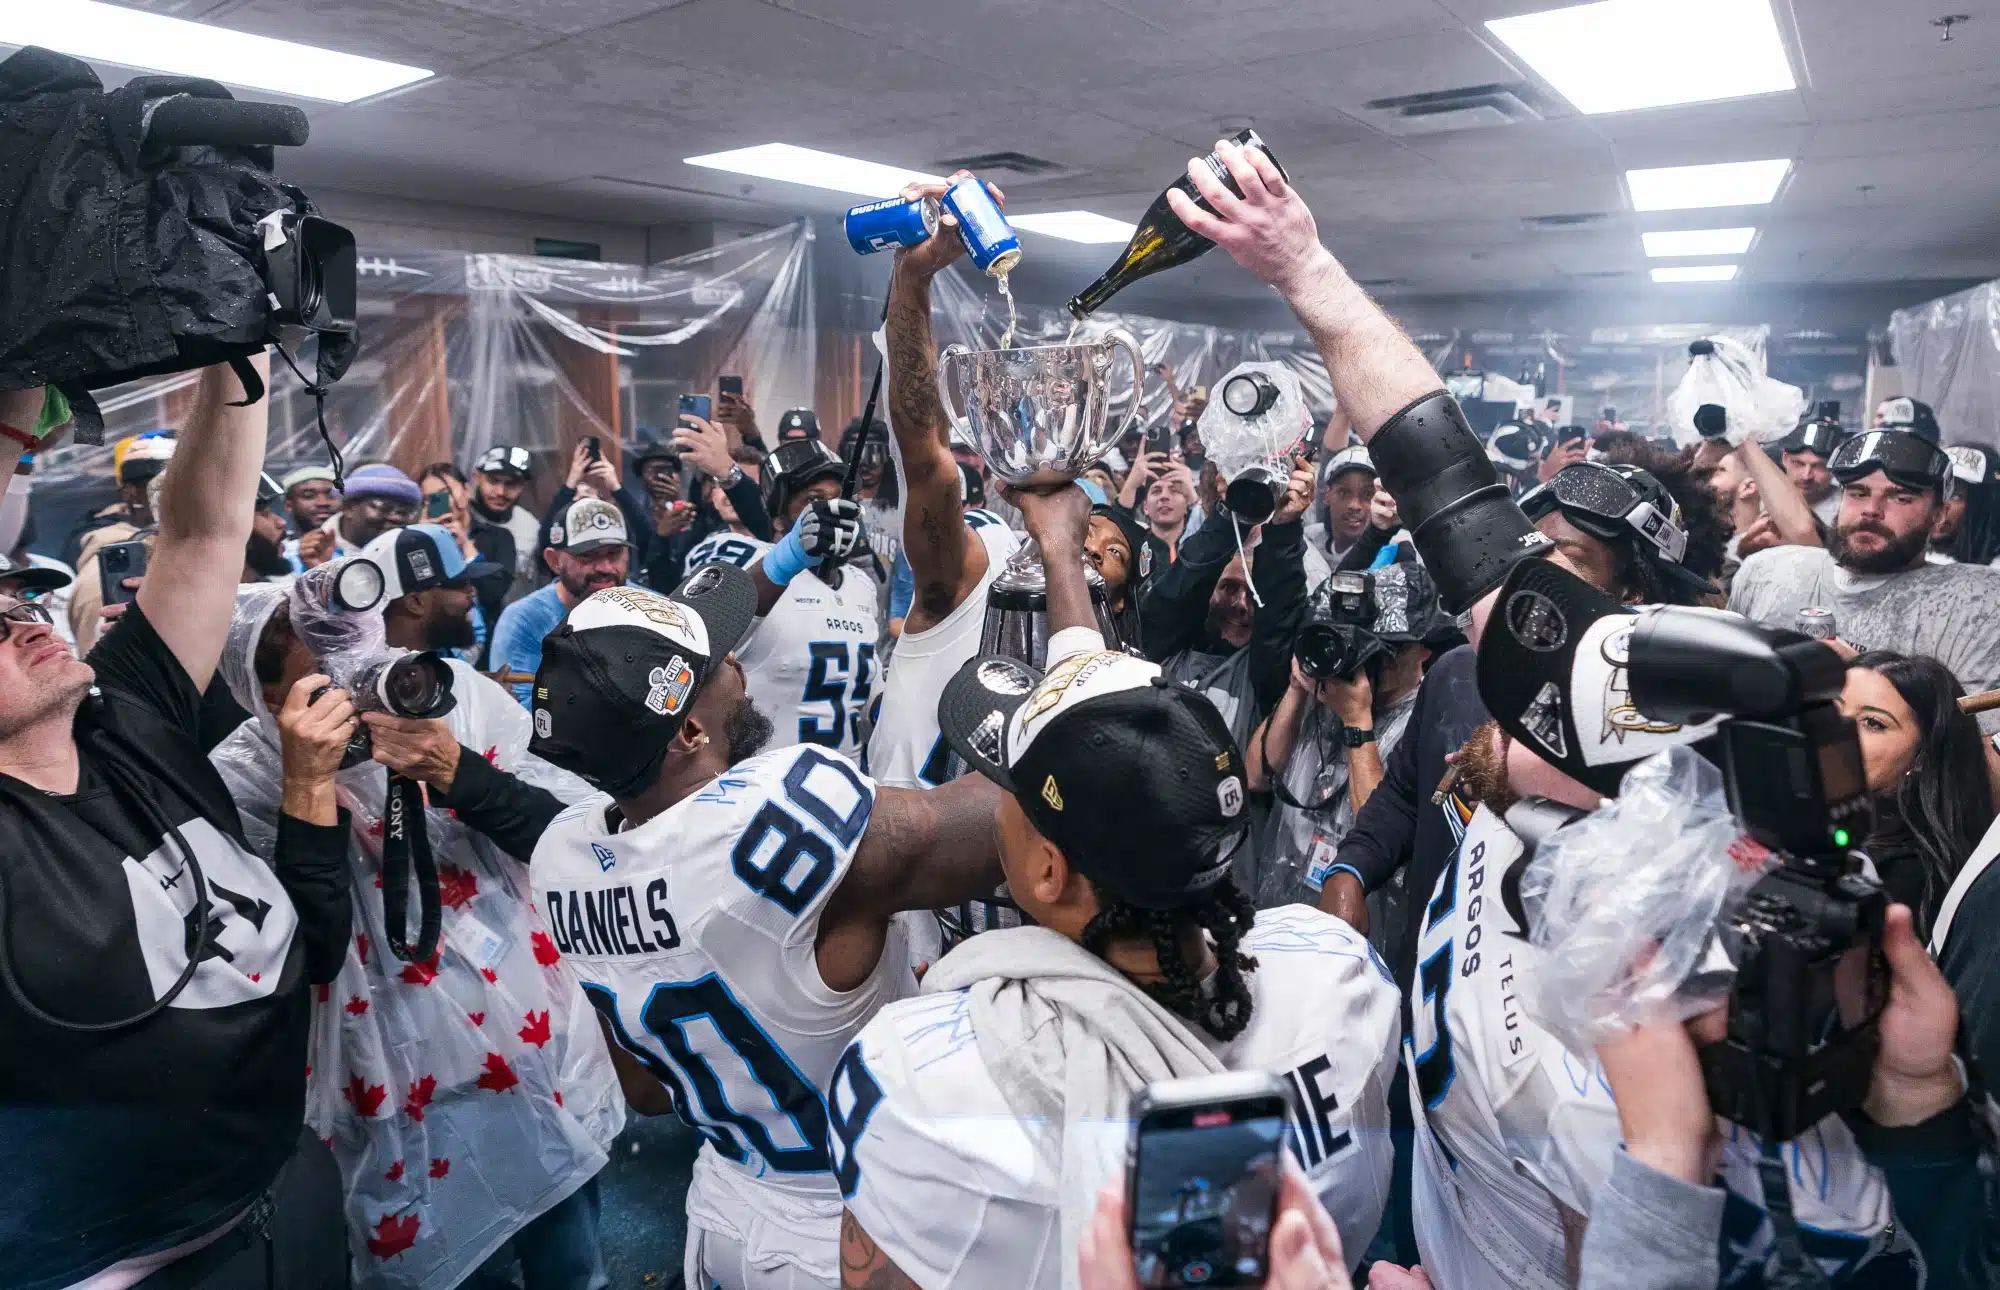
990 239
1816 623
895 222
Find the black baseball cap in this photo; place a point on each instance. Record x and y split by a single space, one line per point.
1136 779
503 459
798 423
625 666
1913 415
31 577
417 557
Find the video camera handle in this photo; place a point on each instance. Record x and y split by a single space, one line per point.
186 121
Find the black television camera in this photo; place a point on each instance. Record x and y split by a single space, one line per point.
1811 979
1338 639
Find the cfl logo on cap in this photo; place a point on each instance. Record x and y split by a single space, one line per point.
1229 796
542 723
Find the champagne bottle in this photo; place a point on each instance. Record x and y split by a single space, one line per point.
1161 240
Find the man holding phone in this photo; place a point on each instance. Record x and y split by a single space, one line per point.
973 1126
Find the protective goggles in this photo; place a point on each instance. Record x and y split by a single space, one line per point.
1822 437
1904 458
1604 503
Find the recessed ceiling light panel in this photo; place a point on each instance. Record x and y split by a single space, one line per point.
1696 273
1731 183
1621 55
811 168
1698 241
153 42
1075 226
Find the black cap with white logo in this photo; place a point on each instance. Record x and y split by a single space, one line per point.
503 459
618 677
1136 779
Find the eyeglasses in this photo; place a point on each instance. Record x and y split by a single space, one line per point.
1604 502
1904 458
25 612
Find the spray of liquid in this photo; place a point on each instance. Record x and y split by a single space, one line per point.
1073 329
1013 312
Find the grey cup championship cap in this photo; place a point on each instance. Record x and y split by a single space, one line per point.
589 523
1137 780
625 666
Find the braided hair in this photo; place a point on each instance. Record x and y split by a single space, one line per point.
1225 914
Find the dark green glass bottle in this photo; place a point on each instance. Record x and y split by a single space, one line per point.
1161 240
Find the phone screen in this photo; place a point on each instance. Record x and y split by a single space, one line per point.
1204 1192
697 405
437 505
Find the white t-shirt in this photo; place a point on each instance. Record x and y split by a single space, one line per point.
1509 1121
906 749
693 934
809 664
954 1187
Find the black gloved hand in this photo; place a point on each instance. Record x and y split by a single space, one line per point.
830 528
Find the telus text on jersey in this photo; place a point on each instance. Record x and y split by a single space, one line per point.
609 921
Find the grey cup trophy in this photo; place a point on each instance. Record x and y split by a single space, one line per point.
1039 415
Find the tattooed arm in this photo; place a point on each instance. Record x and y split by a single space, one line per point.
945 558
863 1265
923 850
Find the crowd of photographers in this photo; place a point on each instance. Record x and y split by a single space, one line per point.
289 693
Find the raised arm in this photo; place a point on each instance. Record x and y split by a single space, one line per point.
204 513
1784 501
946 560
923 850
19 409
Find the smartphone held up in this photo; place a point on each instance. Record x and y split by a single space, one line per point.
1203 1166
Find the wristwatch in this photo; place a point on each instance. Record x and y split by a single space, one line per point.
1354 736
733 478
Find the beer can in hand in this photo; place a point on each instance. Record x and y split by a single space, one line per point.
895 222
992 242
1815 622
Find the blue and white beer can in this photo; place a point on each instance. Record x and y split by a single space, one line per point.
990 239
895 222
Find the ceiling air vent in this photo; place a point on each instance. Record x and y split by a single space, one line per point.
1472 107
1564 223
1003 163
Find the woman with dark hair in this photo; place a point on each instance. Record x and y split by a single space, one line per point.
1969 529
1926 766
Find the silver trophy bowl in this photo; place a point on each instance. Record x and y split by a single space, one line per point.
1040 416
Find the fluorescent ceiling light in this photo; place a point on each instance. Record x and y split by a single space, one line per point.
1075 226
1682 188
1699 241
1620 55
794 165
154 42
1695 273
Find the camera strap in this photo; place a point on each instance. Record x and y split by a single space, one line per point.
318 390
1795 1269
406 845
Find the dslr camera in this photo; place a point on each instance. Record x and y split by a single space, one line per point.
336 612
1339 639
1811 979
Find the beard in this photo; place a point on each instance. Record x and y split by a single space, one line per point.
745 731
1482 770
1898 552
450 631
265 557
585 585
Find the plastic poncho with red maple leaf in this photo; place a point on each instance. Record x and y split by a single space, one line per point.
469 1092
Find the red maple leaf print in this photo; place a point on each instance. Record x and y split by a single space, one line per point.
422 973
365 1098
476 1018
456 886
420 1097
361 945
492 755
356 1006
545 949
558 1097
395 1172
536 1032
394 1235
492 977
255 977
499 1076
440 1167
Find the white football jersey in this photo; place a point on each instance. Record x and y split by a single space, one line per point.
693 935
906 749
809 664
1509 1121
955 1187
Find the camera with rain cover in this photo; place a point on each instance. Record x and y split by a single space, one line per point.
336 612
1811 979
1338 639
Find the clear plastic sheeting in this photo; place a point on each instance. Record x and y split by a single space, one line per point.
462 351
1949 353
1626 903
1732 377
1235 443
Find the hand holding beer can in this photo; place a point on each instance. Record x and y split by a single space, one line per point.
990 240
1815 622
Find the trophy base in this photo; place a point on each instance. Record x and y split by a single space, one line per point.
1017 609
